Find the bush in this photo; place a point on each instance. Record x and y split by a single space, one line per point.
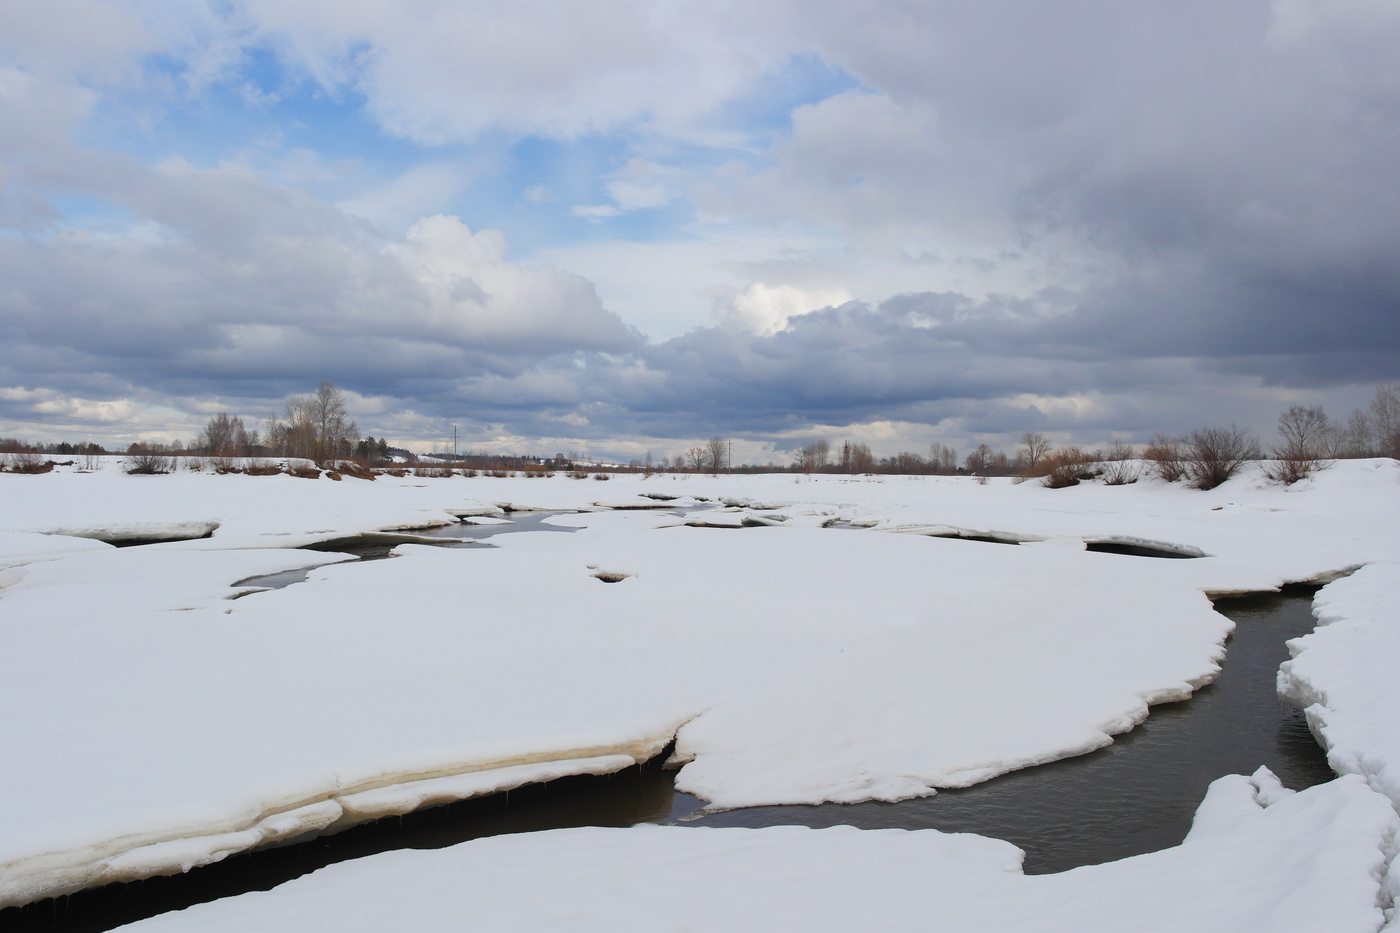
148 459
1120 465
1165 457
29 462
1290 470
1216 454
1064 467
352 468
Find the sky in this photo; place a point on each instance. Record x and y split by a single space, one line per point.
624 227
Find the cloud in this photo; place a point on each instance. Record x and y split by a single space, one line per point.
1011 215
232 282
765 309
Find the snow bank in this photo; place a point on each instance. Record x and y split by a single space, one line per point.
1259 860
1343 678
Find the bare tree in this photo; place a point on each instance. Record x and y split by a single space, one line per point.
335 433
984 460
1034 446
1303 433
1354 438
942 458
857 458
224 438
1385 419
1305 439
316 427
813 457
907 463
716 454
697 458
1216 454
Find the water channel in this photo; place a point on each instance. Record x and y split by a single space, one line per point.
1137 795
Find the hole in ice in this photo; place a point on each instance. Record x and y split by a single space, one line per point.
609 577
975 536
1144 549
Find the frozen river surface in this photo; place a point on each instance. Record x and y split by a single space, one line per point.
167 725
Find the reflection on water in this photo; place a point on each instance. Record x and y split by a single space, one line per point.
1136 796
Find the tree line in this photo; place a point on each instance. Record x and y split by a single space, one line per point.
317 427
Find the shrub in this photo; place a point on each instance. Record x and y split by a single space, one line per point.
1290 470
1064 467
1165 457
352 468
1120 465
28 462
148 459
1216 454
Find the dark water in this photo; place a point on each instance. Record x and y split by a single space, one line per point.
1136 796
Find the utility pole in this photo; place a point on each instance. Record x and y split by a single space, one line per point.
454 443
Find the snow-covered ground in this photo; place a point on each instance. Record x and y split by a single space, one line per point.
153 722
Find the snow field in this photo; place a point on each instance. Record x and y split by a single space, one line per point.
157 724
